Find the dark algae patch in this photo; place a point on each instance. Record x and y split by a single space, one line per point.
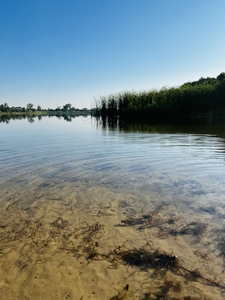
193 228
161 262
165 225
143 258
150 220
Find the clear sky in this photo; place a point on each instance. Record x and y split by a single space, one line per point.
54 52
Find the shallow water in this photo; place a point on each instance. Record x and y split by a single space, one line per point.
65 187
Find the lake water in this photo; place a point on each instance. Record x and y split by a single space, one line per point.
76 196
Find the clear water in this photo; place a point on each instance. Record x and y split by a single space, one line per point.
132 170
173 165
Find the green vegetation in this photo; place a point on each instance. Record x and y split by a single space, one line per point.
204 98
6 110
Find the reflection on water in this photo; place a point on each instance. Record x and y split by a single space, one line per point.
129 212
31 117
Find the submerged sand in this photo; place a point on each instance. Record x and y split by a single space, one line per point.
67 241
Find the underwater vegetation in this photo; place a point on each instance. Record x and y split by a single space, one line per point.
36 238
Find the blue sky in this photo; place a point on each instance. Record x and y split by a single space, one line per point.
54 52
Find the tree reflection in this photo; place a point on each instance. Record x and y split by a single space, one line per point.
30 119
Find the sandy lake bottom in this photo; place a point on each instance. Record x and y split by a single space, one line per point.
74 240
97 213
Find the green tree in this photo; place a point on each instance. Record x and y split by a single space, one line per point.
67 106
221 77
4 107
38 107
30 106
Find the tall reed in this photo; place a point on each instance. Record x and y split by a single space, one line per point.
202 98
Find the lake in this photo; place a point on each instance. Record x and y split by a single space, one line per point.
91 211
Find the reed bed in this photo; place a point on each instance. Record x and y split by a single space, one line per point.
203 98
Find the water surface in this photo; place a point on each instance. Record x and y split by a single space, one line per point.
68 176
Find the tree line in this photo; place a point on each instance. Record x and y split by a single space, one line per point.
5 108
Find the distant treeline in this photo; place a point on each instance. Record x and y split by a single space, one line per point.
203 98
30 109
